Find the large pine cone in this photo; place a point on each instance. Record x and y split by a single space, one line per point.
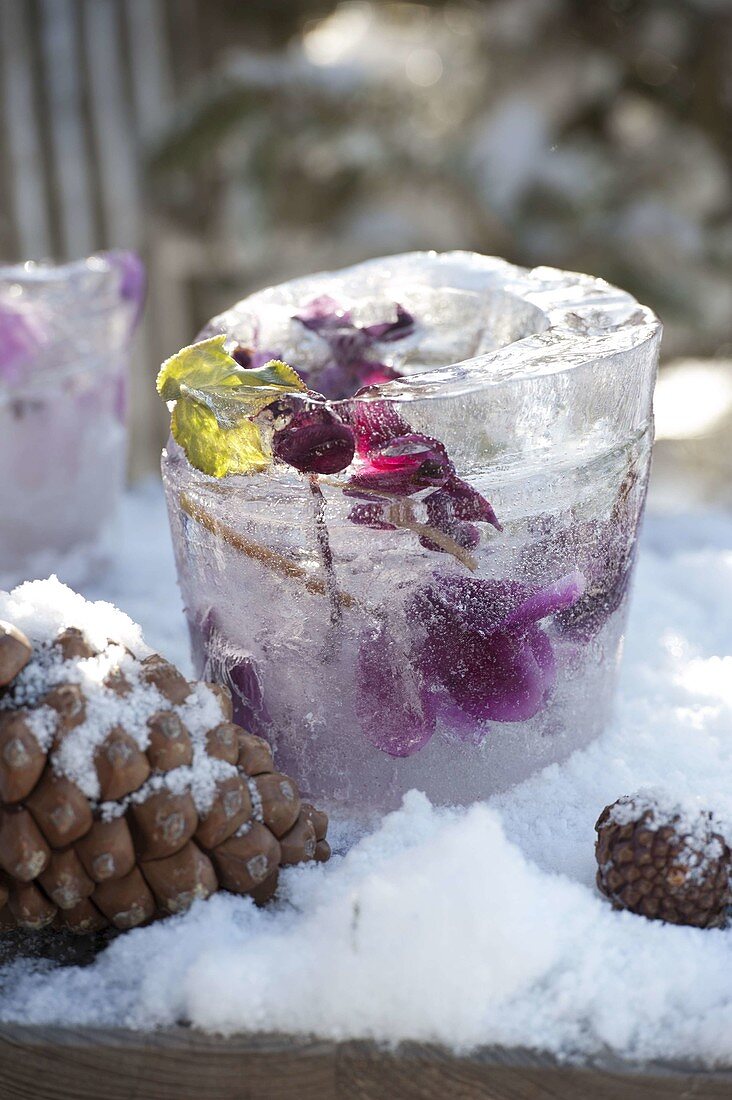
660 862
127 792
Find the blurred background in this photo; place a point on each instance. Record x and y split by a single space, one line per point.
236 143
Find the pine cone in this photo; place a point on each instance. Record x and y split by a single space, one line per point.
659 861
127 792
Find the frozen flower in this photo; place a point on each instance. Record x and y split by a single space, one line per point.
403 466
315 441
451 510
604 550
375 423
224 664
406 464
351 365
476 653
483 644
133 280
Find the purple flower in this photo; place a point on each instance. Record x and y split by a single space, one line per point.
315 441
323 313
604 550
350 366
480 655
388 331
483 644
409 463
451 510
219 662
403 466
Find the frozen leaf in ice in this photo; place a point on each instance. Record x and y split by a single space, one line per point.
214 400
215 450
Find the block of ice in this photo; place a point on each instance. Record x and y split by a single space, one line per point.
448 611
64 340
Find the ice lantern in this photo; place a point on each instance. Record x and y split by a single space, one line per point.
446 611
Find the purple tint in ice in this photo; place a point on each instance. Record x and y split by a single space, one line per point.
479 654
352 363
133 279
64 348
21 339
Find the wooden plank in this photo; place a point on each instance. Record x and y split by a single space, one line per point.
181 1064
112 125
68 139
24 166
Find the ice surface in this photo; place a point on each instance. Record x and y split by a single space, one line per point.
435 926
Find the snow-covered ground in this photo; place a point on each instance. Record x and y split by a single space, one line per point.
468 927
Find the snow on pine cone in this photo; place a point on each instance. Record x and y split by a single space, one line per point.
661 861
126 792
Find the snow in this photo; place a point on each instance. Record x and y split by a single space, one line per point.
466 927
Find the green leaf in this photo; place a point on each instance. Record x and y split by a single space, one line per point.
215 450
201 366
215 400
206 369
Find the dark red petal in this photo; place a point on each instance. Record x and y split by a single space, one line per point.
388 331
375 423
315 441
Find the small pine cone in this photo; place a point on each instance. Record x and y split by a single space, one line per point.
661 862
136 830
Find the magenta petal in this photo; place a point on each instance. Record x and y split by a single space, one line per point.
403 466
469 504
506 683
548 601
375 423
